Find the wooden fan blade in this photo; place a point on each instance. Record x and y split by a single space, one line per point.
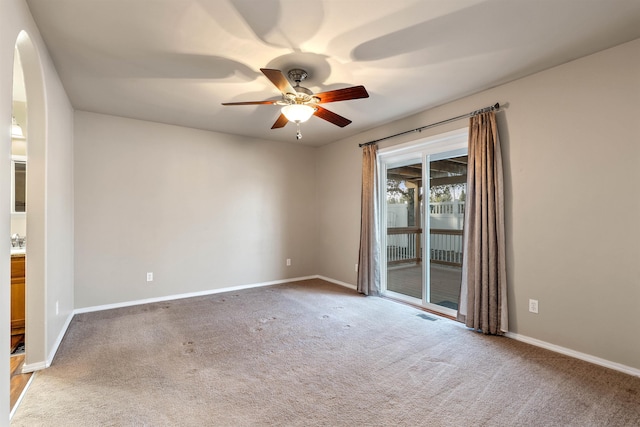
279 80
345 94
280 122
331 117
250 103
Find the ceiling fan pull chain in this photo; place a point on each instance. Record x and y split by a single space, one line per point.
298 133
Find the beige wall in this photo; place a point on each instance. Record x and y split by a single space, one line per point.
201 210
571 158
50 274
339 178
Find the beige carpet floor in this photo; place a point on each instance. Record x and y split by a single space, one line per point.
311 354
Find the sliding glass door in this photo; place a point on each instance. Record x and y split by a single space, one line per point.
422 212
404 230
447 191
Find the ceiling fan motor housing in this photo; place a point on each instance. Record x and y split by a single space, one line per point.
297 75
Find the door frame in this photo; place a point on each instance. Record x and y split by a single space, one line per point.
432 148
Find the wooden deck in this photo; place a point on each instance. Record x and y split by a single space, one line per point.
445 283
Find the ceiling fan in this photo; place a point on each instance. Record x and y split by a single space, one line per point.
299 103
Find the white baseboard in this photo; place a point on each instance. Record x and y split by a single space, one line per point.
576 354
187 295
56 345
32 367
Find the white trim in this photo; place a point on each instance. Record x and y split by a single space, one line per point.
56 345
187 295
456 138
22 394
32 367
337 282
407 299
420 303
575 354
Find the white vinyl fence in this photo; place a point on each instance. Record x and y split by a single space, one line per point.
445 239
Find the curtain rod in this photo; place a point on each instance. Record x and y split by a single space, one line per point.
494 107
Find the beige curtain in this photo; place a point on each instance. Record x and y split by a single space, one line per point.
483 294
369 256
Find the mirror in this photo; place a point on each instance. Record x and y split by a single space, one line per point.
19 184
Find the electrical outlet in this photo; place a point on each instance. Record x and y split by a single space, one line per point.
533 306
150 277
288 262
356 267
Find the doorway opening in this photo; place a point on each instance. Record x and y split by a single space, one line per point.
33 125
422 212
18 380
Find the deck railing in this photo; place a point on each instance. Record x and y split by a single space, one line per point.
446 247
403 246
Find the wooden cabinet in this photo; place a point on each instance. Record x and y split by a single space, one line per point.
17 293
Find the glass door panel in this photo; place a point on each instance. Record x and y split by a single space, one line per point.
447 192
404 230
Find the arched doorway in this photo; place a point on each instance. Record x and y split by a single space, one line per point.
36 193
19 137
33 223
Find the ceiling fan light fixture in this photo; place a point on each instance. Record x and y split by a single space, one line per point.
298 113
16 130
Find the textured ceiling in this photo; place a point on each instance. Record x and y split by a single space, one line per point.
176 61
